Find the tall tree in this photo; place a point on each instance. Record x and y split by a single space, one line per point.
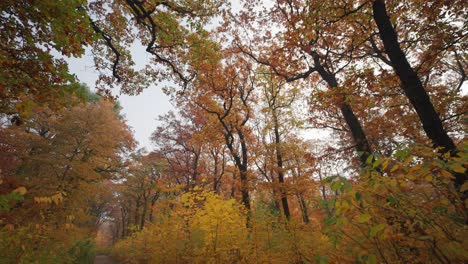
225 91
276 100
412 85
62 160
302 47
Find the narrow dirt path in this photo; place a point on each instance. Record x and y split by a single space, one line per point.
102 259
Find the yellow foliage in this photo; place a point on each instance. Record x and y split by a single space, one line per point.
204 228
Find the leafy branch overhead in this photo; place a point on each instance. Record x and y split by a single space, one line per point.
302 132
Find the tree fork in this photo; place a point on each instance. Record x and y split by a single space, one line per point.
359 136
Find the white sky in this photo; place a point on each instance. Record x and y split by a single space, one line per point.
140 111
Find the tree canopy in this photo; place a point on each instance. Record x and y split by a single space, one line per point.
303 132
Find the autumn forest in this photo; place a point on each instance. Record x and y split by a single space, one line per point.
303 131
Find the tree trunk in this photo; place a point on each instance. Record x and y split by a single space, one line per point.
243 172
241 164
412 85
279 163
215 172
143 215
124 221
303 205
153 202
195 167
137 211
359 137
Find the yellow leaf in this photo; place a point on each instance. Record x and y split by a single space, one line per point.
456 167
428 178
371 259
385 164
446 174
20 190
464 187
394 168
376 229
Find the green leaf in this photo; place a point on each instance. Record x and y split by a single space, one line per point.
364 218
392 200
329 221
377 163
335 185
329 179
346 186
370 159
376 229
358 196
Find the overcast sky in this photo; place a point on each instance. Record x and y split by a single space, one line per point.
140 111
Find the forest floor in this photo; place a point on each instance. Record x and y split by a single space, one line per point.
102 259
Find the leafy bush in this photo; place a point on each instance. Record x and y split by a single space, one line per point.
401 210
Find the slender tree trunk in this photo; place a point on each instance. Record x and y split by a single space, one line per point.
153 202
215 172
244 187
304 211
143 215
276 201
412 85
243 172
280 169
195 167
137 212
276 197
123 220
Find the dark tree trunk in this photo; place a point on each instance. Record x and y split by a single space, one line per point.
412 85
195 167
125 221
279 163
357 132
215 173
153 202
137 212
241 164
303 205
